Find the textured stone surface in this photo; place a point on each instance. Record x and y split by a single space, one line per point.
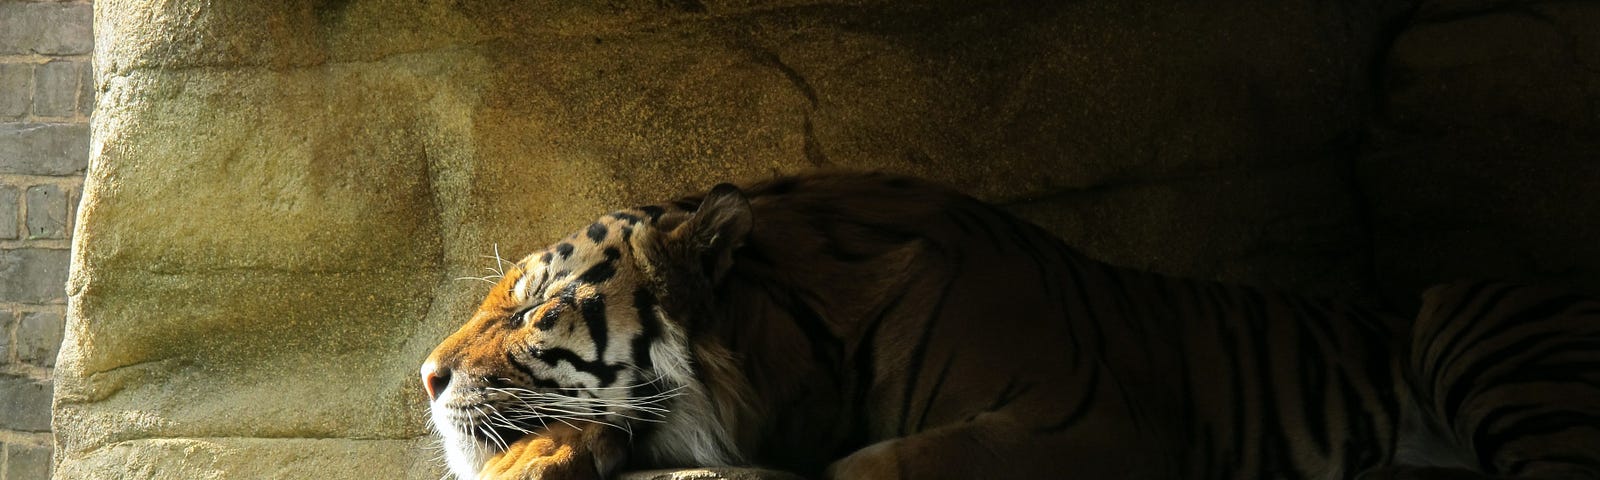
10 197
1293 228
55 86
8 318
47 212
211 458
275 216
1488 157
45 28
43 148
16 79
39 337
32 275
25 462
27 404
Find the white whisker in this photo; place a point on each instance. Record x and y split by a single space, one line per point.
481 279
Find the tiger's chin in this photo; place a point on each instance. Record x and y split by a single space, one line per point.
558 451
464 453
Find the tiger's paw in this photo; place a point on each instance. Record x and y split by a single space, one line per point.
557 453
879 460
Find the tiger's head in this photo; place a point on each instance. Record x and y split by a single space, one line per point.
595 329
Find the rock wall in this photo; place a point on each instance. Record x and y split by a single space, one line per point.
46 95
284 196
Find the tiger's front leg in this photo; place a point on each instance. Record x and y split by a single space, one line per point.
560 452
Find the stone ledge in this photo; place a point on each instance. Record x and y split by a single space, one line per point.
717 473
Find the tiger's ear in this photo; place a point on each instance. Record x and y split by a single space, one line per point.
698 247
716 229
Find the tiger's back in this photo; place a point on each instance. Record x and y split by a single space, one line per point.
1027 345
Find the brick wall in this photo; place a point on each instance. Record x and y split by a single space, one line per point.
46 94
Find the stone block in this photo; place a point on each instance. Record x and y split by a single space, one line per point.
27 404
9 211
86 90
45 28
55 88
44 148
39 337
218 458
27 462
8 317
16 81
47 212
33 275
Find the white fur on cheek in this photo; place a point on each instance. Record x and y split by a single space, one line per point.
693 432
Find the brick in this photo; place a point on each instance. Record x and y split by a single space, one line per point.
47 212
8 212
27 462
33 275
16 81
39 337
44 148
7 317
45 28
27 404
55 88
86 90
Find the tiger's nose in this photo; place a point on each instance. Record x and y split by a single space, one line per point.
435 380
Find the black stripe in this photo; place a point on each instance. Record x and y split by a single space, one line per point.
1463 326
1238 429
644 303
826 348
1311 360
1469 376
1086 398
919 353
1008 394
512 360
933 393
1274 445
1171 299
625 216
652 211
604 270
865 370
607 374
551 315
593 310
1591 464
1361 443
1489 446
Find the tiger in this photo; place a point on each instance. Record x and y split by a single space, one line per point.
873 326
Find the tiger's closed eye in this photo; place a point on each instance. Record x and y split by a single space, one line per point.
517 320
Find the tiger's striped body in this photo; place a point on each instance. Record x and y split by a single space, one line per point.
874 327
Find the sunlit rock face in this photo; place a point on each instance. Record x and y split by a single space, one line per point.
283 196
